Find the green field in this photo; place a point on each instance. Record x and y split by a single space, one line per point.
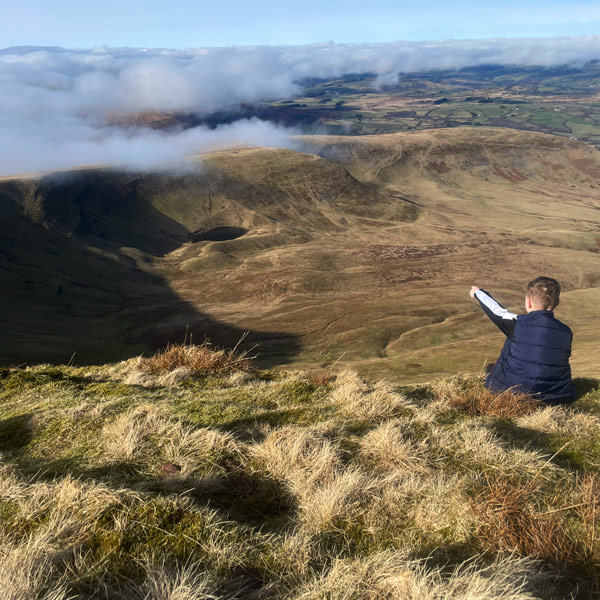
560 101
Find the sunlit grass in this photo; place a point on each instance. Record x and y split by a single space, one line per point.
257 484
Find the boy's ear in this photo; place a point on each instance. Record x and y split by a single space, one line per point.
528 301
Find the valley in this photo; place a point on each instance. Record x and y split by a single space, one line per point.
349 251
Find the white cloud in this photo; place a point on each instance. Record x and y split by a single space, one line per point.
55 102
69 143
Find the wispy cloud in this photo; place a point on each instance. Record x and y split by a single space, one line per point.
55 103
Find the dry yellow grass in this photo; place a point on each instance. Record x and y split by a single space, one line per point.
287 492
558 419
146 435
27 570
392 575
192 359
186 582
30 565
389 447
301 458
365 400
476 445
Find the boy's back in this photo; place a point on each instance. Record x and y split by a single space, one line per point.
535 356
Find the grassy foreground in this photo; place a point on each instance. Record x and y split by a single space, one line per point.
145 479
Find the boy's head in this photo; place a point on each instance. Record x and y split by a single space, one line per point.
542 294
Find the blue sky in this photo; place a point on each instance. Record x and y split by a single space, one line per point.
197 23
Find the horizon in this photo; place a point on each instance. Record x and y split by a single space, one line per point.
23 48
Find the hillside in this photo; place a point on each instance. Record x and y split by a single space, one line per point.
89 255
145 479
362 255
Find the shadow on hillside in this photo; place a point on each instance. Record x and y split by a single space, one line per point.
73 256
16 432
245 497
584 385
568 450
570 453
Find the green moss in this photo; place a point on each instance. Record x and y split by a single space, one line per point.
15 432
588 391
21 379
111 389
204 382
297 391
251 498
168 530
159 527
61 438
230 406
581 454
9 516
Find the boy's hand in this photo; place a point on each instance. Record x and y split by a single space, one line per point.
473 290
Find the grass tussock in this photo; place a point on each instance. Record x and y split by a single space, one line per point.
299 457
27 570
510 521
390 448
194 359
476 446
393 575
187 581
362 399
288 487
560 420
479 401
564 536
322 378
337 502
145 436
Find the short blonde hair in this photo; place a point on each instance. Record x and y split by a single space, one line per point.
544 292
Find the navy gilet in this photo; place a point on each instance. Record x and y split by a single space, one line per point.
535 356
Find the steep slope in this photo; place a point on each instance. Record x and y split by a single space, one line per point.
71 284
500 178
83 253
118 481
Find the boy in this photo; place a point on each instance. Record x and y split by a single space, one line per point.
535 356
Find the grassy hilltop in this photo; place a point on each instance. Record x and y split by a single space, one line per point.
192 475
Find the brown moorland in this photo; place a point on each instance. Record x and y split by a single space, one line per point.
358 251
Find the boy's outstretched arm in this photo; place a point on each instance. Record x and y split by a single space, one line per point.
499 315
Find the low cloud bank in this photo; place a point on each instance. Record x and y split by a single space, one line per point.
55 103
70 144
